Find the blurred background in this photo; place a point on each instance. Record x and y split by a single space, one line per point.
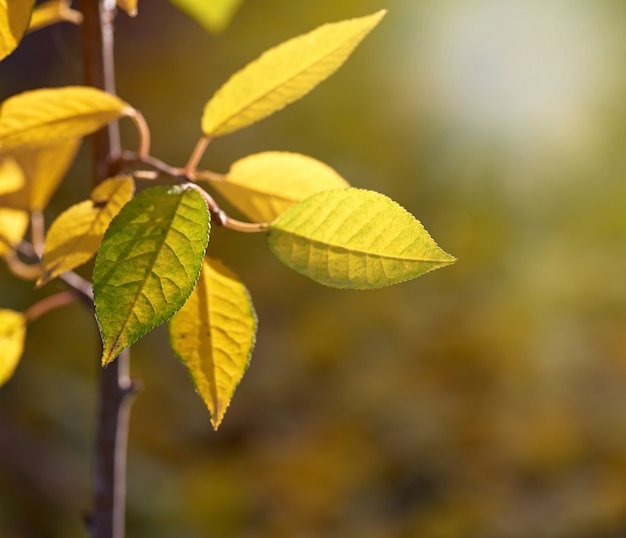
484 400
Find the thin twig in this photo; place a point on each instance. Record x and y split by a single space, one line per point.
49 303
196 155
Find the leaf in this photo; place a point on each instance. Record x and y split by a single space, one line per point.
12 336
75 236
148 264
53 11
283 75
13 226
265 185
214 15
213 334
14 17
51 115
129 6
354 239
44 168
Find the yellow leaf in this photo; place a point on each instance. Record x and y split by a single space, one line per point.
44 168
214 15
213 334
13 226
75 236
14 17
54 11
12 335
283 75
52 115
12 177
265 185
129 6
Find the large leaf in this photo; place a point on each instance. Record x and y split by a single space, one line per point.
12 335
52 115
354 238
213 334
265 185
148 264
214 15
75 236
14 18
283 74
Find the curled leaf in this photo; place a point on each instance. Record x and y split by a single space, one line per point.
75 236
213 334
354 239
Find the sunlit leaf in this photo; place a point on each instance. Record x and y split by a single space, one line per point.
148 263
213 334
264 185
75 236
53 115
129 6
14 17
283 74
354 238
54 11
13 226
214 15
12 335
12 178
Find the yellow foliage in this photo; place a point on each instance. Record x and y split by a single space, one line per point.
12 334
14 17
13 225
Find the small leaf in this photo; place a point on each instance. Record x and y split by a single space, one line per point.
214 15
53 11
13 226
12 336
213 334
148 264
283 75
14 17
129 6
75 236
51 115
354 239
265 185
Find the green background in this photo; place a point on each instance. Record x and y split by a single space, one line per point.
486 400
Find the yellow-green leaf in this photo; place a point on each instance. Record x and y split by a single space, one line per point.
14 17
53 11
52 115
13 226
12 335
214 15
265 185
129 6
213 334
283 74
75 236
354 239
148 263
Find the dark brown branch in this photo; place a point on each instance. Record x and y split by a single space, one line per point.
115 386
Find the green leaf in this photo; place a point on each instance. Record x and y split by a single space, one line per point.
264 185
148 264
14 18
213 334
214 15
51 115
75 236
283 75
354 239
12 335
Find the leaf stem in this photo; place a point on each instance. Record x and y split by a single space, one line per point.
38 233
144 133
20 269
49 303
190 168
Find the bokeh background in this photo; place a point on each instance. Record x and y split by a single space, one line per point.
485 400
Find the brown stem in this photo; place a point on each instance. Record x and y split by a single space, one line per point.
115 386
50 303
196 155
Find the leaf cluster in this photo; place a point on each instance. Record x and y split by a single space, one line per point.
150 248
